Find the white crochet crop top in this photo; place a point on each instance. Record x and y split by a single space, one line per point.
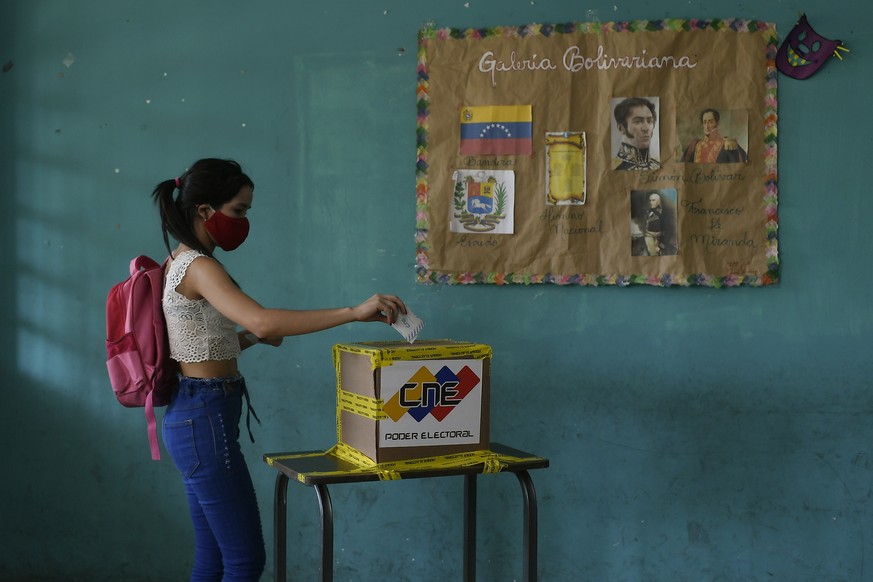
197 331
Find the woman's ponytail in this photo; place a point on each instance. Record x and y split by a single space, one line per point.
175 221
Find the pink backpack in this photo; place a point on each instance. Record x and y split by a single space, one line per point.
137 350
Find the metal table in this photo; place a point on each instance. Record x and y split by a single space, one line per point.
318 469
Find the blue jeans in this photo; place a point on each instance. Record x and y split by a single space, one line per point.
201 433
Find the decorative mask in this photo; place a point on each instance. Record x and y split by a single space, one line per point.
804 51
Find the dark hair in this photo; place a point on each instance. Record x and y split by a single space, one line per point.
714 114
623 109
209 181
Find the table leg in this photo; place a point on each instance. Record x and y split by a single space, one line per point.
470 491
529 565
326 508
280 524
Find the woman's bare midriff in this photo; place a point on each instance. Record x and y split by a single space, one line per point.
209 369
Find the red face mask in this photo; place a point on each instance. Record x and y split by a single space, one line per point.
226 231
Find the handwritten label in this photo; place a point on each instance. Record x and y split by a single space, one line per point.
557 223
472 162
740 268
574 60
565 230
466 242
714 240
696 207
551 215
712 243
697 176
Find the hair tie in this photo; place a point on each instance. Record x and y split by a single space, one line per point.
177 183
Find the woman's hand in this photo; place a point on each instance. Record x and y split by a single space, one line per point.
386 308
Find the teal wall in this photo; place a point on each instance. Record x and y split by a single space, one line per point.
694 434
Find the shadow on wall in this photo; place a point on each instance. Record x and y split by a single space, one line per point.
82 500
85 499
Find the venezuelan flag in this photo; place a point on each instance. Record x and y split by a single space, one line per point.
502 130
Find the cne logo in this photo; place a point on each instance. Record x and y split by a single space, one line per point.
426 393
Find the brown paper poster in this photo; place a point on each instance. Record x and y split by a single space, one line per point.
598 154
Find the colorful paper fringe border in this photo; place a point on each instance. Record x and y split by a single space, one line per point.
425 275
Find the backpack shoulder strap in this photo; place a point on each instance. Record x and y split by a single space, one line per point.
142 262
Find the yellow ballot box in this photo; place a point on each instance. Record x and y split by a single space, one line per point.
398 401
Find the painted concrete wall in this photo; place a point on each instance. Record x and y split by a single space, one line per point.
694 434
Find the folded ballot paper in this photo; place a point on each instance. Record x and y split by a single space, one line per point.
408 325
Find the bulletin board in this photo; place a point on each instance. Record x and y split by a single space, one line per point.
579 154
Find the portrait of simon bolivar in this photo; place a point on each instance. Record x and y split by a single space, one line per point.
714 136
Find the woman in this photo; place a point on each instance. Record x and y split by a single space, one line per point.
203 306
